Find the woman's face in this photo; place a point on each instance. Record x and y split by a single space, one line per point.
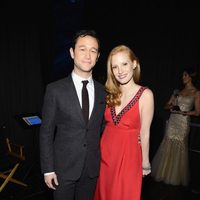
186 78
122 67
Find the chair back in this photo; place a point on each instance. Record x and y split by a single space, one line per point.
2 147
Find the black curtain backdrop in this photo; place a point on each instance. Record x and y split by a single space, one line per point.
26 62
21 81
165 37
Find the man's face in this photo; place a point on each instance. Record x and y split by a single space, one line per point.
85 55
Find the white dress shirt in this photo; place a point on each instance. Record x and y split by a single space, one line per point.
90 87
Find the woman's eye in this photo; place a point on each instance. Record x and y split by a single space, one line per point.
124 64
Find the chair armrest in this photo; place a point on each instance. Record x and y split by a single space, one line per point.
15 149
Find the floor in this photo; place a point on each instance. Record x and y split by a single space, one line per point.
158 191
36 189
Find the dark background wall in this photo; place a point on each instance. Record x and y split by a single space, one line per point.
164 35
34 50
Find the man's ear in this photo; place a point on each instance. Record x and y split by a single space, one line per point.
98 57
71 52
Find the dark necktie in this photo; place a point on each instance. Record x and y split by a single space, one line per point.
85 101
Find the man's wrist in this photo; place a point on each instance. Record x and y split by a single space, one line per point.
48 173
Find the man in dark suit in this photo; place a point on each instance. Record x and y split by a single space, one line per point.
69 145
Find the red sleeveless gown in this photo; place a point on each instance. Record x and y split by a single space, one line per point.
121 157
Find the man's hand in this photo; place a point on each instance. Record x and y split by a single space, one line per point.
51 180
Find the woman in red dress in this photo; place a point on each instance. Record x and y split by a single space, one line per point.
125 141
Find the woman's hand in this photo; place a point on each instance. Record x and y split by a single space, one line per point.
146 171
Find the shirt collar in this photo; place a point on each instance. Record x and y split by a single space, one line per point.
78 80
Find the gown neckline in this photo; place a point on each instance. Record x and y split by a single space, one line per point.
117 117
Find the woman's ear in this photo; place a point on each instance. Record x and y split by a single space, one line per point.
134 64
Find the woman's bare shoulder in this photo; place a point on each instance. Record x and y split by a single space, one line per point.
147 93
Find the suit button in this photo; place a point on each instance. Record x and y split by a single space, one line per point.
86 129
84 145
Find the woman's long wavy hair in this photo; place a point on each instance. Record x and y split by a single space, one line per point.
111 85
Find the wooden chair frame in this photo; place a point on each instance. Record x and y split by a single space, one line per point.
16 151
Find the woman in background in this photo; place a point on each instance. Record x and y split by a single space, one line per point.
125 141
170 163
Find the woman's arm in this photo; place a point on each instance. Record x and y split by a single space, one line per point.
146 115
171 103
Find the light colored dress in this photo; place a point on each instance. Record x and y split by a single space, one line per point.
170 163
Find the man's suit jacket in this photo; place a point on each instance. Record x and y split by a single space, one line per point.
67 143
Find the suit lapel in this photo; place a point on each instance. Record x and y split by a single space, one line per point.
74 98
97 99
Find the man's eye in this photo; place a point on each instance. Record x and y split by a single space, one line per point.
94 51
